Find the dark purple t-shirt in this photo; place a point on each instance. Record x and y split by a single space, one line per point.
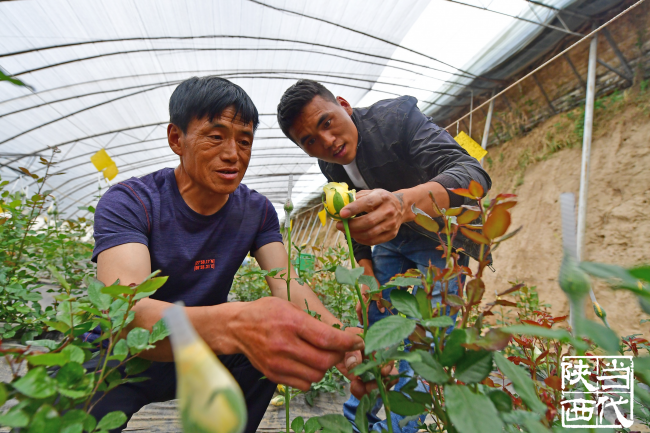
200 254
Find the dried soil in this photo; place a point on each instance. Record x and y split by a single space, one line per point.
618 215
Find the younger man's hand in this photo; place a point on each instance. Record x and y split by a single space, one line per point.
385 213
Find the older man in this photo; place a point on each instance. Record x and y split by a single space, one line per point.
197 223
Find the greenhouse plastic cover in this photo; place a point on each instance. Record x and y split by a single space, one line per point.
113 93
102 73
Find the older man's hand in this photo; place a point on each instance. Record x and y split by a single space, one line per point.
288 345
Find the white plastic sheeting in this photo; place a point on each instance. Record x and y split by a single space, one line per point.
103 71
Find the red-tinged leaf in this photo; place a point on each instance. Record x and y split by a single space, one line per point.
507 205
454 300
475 236
468 216
2 221
475 189
24 170
489 382
503 303
541 357
463 192
488 313
497 223
511 289
475 291
424 220
554 382
509 235
501 197
454 211
495 339
531 322
559 319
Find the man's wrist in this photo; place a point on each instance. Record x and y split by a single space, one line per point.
225 340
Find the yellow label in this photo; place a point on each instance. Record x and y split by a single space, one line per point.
111 171
101 160
471 146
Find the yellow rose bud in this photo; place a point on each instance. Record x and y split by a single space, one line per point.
278 400
281 389
335 197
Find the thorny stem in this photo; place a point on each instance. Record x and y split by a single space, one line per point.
31 213
287 391
364 312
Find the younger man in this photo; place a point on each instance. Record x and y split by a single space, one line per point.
395 156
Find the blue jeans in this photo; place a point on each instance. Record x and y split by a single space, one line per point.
406 251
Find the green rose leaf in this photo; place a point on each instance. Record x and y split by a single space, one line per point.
312 425
474 366
158 332
430 369
404 282
73 421
74 354
453 347
424 304
100 300
405 303
369 281
469 412
522 383
116 291
335 423
136 366
387 332
348 276
111 420
3 394
361 418
14 418
501 400
438 322
402 405
70 374
121 350
36 384
297 424
137 339
48 359
45 420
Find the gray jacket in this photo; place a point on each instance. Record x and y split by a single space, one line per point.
399 147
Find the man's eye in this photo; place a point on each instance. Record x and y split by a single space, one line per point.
310 142
245 143
216 137
327 124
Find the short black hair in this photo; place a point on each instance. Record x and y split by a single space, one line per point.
198 97
296 97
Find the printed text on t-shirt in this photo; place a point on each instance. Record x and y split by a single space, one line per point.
204 264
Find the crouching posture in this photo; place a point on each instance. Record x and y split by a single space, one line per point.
196 223
395 157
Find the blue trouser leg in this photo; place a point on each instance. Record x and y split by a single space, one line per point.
406 251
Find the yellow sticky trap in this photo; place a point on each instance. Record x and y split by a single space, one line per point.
322 216
471 146
101 160
110 172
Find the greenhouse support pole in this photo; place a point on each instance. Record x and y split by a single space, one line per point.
488 122
471 110
305 229
327 232
586 147
320 226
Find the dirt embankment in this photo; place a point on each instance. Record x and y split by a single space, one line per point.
546 162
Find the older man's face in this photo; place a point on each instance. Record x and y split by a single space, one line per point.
215 154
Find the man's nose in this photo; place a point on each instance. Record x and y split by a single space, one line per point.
328 139
229 152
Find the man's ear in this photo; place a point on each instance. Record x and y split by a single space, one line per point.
174 137
345 104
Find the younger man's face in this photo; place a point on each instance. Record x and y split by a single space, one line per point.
326 131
